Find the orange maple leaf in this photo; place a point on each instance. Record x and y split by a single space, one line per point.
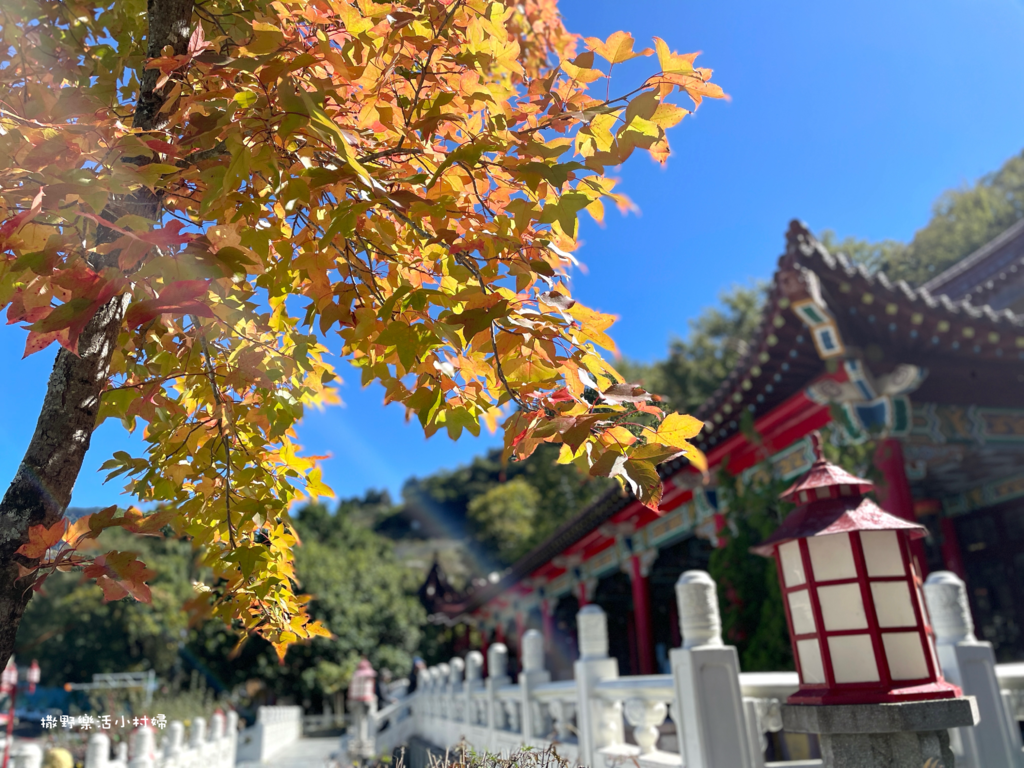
40 539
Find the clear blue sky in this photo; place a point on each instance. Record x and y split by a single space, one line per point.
850 116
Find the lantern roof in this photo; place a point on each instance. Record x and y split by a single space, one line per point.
831 501
825 475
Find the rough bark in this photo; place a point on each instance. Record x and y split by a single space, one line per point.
41 489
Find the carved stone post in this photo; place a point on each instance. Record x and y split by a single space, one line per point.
533 674
434 707
645 717
232 738
442 687
474 682
143 747
455 697
706 672
599 723
562 712
971 664
497 669
97 753
197 736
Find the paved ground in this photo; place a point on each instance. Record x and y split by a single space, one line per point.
305 753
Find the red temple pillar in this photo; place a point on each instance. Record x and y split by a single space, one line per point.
894 494
520 631
642 616
583 593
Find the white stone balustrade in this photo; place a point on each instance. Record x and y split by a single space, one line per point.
275 729
213 749
721 715
971 664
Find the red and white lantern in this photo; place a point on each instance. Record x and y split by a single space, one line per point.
857 619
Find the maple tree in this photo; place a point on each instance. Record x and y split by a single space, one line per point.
199 200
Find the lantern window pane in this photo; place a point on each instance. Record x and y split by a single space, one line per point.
792 564
842 607
800 611
882 553
893 604
905 655
832 557
853 659
811 669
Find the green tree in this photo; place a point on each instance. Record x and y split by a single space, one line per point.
503 518
75 634
697 365
562 491
358 589
962 221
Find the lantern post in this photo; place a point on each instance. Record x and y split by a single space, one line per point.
871 685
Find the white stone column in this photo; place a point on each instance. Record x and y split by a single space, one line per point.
217 741
97 752
599 723
232 739
444 675
533 674
455 697
971 664
143 748
497 676
174 742
474 682
26 754
711 723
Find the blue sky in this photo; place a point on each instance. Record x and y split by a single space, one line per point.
850 116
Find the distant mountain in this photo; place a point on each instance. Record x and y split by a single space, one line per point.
74 513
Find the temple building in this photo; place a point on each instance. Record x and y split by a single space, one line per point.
935 375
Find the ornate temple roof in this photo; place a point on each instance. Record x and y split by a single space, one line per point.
821 313
888 323
992 275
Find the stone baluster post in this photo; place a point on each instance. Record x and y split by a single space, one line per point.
444 677
455 692
533 674
645 717
143 748
197 740
97 752
174 742
497 676
711 723
431 691
599 723
474 682
25 754
421 705
232 738
217 741
971 664
121 757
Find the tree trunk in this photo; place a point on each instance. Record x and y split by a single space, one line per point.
42 485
